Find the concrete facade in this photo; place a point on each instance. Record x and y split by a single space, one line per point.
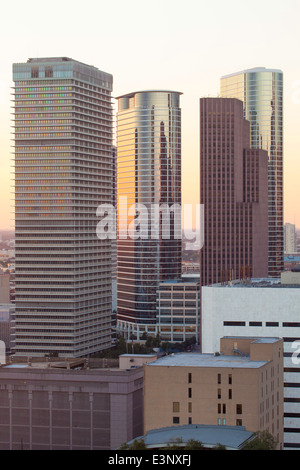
50 407
178 309
63 122
260 308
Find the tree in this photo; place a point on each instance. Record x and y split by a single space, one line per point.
263 441
193 444
137 444
175 444
153 341
124 446
219 447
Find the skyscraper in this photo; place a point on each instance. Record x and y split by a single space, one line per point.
261 91
148 177
233 191
290 238
63 172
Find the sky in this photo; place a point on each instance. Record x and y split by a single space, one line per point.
184 46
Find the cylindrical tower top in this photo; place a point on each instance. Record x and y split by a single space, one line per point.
145 99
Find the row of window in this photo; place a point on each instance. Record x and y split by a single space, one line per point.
45 109
239 422
259 323
42 116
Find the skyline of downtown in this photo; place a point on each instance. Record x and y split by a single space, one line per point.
190 164
193 65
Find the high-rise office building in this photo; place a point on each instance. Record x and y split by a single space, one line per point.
290 238
233 191
148 177
261 91
63 172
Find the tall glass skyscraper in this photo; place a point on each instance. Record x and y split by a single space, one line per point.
234 194
63 172
148 177
261 91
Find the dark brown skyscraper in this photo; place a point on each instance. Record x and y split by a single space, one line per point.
261 91
234 192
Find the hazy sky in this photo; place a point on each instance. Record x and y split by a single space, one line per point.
181 45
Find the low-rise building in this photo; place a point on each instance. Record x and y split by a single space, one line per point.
178 309
241 386
260 307
69 406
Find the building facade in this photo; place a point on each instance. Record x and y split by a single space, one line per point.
63 172
178 310
233 192
242 386
260 307
49 406
290 239
261 91
149 199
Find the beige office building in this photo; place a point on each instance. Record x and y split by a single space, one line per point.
240 385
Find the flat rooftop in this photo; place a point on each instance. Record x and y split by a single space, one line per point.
129 95
255 339
206 360
250 283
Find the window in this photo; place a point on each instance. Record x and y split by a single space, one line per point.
190 393
219 393
176 420
190 420
239 422
190 378
230 379
219 378
190 407
34 72
224 408
239 409
230 394
176 407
